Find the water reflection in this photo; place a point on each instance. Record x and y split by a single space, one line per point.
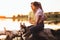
9 24
15 25
53 26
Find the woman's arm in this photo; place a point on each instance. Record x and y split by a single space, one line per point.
31 20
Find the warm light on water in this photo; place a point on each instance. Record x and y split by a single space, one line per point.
9 24
52 26
15 25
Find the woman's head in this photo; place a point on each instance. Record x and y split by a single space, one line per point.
36 5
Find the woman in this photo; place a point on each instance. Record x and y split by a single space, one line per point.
39 19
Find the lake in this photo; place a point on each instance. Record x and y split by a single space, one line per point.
15 25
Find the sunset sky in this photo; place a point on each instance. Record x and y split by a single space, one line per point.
14 7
